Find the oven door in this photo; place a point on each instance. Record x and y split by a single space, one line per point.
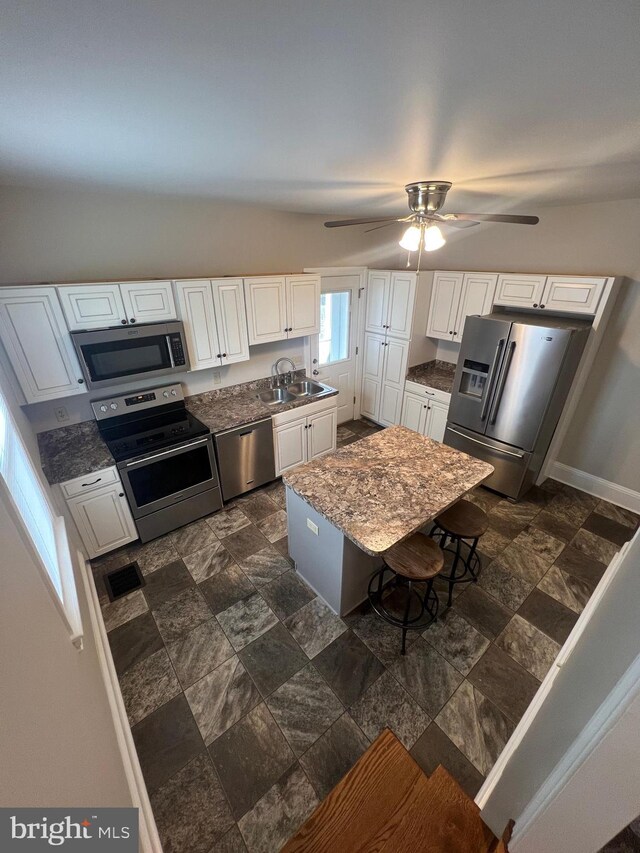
161 479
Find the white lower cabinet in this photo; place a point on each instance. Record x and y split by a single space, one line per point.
383 378
299 438
424 414
101 512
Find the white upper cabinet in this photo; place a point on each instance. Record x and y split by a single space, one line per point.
445 304
378 287
148 301
303 305
477 298
92 306
38 344
579 295
520 290
390 301
281 307
231 320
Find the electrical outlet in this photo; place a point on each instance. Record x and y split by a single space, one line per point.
312 527
216 377
62 414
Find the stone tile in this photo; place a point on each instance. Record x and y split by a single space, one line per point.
551 486
274 526
541 543
348 667
574 507
221 698
273 658
483 611
434 748
231 842
287 594
278 494
484 498
153 555
265 566
208 561
226 587
147 685
245 621
193 537
167 582
227 521
493 542
567 589
504 682
594 546
314 626
245 542
199 651
388 705
334 754
384 640
581 566
257 506
180 614
624 842
116 613
282 547
249 758
556 525
548 615
530 555
617 513
507 588
190 810
541 497
528 646
509 519
166 741
475 726
304 708
426 676
279 813
343 432
134 641
456 640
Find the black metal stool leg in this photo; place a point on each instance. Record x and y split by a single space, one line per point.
472 554
453 571
407 608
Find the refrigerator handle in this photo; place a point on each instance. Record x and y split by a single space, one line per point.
492 376
503 382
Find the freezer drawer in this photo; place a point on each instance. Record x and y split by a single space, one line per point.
511 476
245 458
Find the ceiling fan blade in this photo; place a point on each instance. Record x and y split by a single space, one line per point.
494 217
338 223
384 225
456 223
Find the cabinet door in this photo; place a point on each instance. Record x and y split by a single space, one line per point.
436 421
103 519
477 298
148 301
92 306
402 296
195 308
290 445
445 303
303 305
378 288
321 433
390 405
231 320
373 362
523 290
395 373
38 344
578 295
266 309
414 412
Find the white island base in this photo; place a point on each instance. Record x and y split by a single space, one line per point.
330 563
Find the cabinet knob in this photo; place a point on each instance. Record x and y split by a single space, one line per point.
80 381
450 331
425 407
541 305
224 355
132 319
219 355
535 305
121 494
124 322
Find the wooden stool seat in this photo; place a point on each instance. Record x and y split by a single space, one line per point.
418 558
463 519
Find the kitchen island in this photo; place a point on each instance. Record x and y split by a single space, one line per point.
346 509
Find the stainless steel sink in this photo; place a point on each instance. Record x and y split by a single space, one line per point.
272 396
305 388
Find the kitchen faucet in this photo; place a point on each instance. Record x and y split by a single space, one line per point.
284 378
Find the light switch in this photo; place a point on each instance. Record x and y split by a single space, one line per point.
312 527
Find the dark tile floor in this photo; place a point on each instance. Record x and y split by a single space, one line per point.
248 698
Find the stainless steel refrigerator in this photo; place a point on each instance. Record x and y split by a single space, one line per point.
513 376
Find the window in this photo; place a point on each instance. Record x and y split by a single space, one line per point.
335 314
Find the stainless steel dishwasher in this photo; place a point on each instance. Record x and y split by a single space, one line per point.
245 458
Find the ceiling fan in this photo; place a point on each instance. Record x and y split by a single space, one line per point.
425 199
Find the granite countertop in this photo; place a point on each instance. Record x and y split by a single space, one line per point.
382 489
72 451
436 374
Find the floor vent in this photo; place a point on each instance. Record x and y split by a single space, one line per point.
123 581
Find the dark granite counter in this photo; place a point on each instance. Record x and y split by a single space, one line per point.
436 374
72 451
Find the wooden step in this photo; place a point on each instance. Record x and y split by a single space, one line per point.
386 804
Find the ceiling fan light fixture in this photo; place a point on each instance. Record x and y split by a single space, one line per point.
411 239
433 238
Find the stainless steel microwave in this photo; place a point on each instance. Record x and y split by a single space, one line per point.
113 356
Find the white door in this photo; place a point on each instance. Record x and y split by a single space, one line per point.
378 287
321 434
103 519
148 301
290 445
578 295
38 344
523 290
266 302
402 296
195 308
414 412
333 352
92 306
477 298
445 302
436 421
303 305
394 377
231 320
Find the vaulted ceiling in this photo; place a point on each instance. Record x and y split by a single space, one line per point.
326 106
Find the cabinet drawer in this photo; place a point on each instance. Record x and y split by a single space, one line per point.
424 391
90 482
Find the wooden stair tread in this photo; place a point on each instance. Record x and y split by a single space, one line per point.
386 804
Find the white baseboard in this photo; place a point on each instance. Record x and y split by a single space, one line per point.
596 486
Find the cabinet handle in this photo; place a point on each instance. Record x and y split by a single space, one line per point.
430 393
92 483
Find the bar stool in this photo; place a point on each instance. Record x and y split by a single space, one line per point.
462 524
417 560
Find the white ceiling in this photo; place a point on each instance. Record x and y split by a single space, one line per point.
326 106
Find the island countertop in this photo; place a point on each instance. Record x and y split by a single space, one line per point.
383 488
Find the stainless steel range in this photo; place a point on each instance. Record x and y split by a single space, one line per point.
165 457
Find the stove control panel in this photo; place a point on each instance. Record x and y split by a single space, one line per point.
137 401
